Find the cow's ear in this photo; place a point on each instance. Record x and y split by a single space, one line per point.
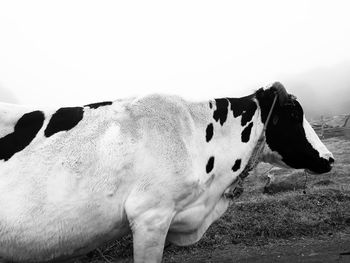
265 98
280 90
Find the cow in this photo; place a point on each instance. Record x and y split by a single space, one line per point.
74 178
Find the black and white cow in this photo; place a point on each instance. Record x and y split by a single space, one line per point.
158 166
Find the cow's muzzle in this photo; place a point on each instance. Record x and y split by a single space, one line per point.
322 166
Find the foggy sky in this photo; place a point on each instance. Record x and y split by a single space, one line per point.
322 91
7 96
61 53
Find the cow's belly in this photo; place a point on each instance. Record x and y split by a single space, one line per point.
43 232
190 224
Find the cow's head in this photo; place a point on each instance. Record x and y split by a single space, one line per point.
290 139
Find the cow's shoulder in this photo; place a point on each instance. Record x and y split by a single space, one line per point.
163 128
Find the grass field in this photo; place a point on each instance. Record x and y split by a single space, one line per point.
292 206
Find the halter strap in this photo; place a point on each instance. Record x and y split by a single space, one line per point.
270 113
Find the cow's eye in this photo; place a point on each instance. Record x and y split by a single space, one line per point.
295 115
275 119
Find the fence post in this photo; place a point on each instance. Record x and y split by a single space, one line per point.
346 120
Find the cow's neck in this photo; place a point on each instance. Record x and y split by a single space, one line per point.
232 132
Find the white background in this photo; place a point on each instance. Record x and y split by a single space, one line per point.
76 52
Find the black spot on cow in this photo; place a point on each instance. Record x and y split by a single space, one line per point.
98 104
209 132
246 132
210 164
237 165
243 106
210 104
25 131
249 113
64 119
220 114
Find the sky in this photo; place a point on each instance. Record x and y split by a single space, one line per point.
59 53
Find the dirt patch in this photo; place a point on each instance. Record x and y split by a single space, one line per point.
329 248
334 248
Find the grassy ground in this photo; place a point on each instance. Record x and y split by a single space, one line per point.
287 209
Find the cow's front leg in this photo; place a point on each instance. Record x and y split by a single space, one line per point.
149 229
